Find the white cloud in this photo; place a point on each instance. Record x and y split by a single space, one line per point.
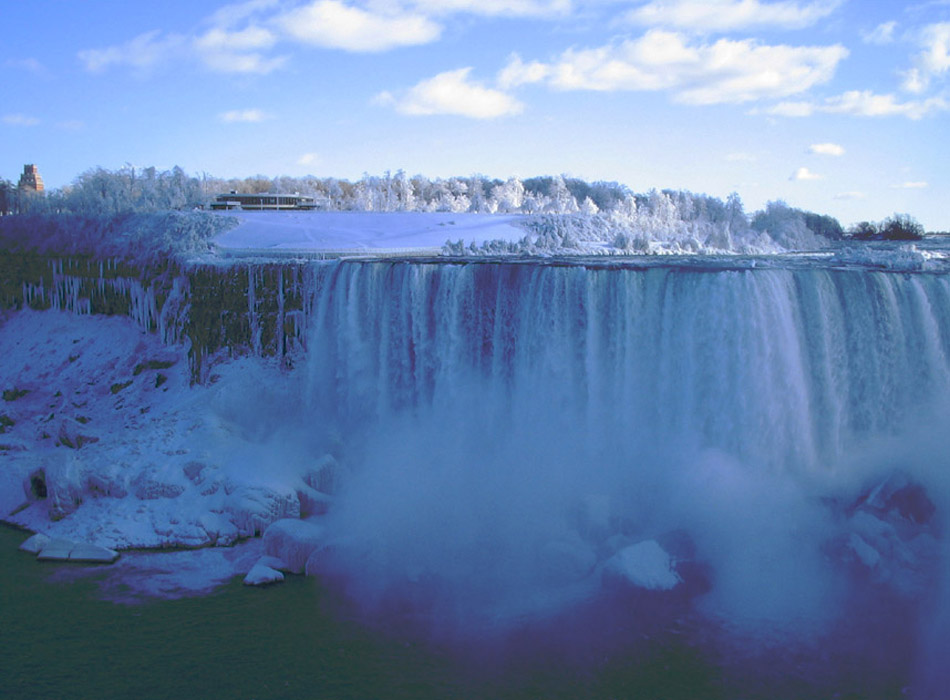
863 103
848 196
30 65
249 38
141 53
452 92
308 159
497 8
792 109
933 60
223 62
910 186
826 149
881 34
232 15
333 24
20 120
805 174
244 116
726 15
696 73
936 43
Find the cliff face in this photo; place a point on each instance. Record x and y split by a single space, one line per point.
237 309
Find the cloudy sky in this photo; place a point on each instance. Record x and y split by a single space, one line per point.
838 106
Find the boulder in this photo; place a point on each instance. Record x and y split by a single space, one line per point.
262 573
254 507
34 544
325 475
93 553
56 550
151 484
71 434
644 565
293 541
898 496
312 502
67 550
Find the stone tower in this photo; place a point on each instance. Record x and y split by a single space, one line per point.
31 179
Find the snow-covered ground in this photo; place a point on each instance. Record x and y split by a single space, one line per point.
153 461
371 232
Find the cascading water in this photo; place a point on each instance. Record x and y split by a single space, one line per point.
507 427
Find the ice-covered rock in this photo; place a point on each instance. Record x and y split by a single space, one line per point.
644 565
56 550
899 496
325 475
293 541
34 544
155 483
74 434
83 551
265 571
253 507
219 528
312 502
64 485
67 550
863 552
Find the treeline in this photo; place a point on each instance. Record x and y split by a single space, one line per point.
563 213
142 238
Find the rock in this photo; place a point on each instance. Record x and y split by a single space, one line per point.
67 550
262 574
193 470
151 484
34 544
220 530
325 475
293 541
863 552
312 502
83 551
254 507
71 435
898 495
56 550
644 565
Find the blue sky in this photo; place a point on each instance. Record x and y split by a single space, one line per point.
837 106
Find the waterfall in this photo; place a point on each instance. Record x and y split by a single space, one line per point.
781 368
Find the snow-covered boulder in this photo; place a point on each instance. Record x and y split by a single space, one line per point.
83 551
67 550
293 541
73 434
312 502
325 475
253 507
644 565
265 571
153 483
34 544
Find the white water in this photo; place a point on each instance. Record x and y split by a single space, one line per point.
507 426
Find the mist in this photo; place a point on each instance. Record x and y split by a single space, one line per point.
506 430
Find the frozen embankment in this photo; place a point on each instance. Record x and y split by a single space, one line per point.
107 445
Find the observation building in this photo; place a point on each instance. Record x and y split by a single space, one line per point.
31 179
266 200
